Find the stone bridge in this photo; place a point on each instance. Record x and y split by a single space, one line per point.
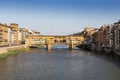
49 41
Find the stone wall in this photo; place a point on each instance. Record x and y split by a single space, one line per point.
6 49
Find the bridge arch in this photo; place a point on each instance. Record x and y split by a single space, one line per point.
59 46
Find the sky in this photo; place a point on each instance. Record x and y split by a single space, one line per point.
59 17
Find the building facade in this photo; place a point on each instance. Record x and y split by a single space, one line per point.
13 35
104 35
14 28
116 35
3 35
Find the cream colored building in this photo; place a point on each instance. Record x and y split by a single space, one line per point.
23 34
19 36
14 28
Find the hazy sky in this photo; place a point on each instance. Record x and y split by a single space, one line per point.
62 17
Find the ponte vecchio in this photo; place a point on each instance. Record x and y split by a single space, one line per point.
51 40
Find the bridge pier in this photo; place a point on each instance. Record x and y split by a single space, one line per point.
48 47
71 46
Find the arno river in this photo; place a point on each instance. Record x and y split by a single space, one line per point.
59 64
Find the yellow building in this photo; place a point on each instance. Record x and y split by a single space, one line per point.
88 35
3 35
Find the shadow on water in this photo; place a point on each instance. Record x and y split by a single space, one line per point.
109 58
63 48
76 53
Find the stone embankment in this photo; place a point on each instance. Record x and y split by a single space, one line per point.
10 51
100 49
6 49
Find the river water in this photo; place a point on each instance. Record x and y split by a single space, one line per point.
59 64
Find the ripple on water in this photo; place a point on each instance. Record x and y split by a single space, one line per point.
58 64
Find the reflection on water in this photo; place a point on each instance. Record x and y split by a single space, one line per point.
59 46
59 64
63 46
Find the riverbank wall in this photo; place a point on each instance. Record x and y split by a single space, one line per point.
100 49
4 50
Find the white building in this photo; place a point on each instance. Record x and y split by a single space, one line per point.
10 36
19 36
